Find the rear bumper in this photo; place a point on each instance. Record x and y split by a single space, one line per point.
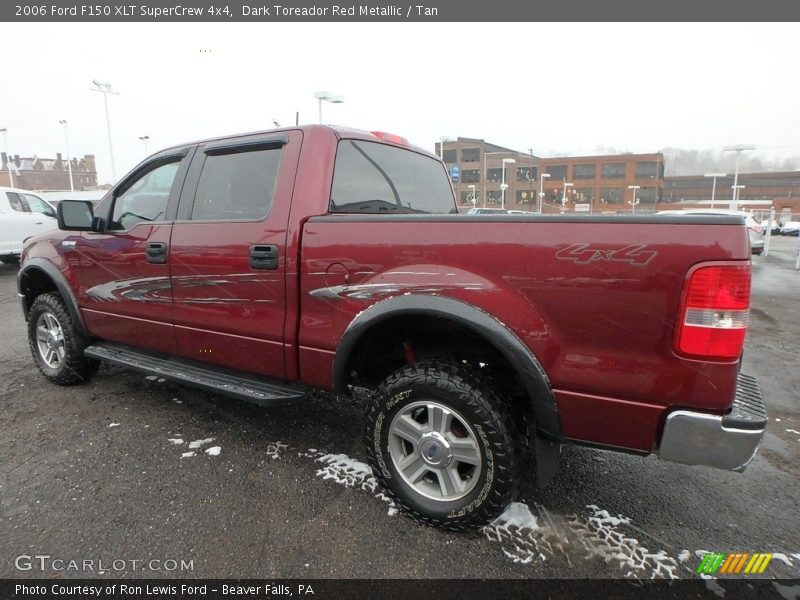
725 442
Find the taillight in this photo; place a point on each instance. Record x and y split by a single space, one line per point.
716 309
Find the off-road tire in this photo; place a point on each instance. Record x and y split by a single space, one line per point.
75 367
459 388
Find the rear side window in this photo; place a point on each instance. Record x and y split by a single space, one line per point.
237 185
373 178
17 202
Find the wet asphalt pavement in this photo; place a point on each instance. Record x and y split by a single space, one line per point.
95 472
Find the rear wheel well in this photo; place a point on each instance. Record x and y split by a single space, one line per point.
405 339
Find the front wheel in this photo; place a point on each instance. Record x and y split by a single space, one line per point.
56 345
441 442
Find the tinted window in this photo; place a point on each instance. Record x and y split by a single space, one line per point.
17 202
583 171
373 178
557 172
146 199
237 186
613 170
40 206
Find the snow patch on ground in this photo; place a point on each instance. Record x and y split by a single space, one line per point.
349 472
188 454
115 424
214 450
783 558
793 431
533 535
176 441
274 449
684 555
200 443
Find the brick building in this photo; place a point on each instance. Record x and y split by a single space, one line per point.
48 173
594 183
782 189
602 183
476 170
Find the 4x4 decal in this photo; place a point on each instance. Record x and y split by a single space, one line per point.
635 254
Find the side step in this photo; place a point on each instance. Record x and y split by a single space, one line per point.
265 392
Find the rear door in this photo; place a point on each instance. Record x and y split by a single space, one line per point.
125 290
228 252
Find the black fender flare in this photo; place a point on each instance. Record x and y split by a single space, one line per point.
58 279
530 371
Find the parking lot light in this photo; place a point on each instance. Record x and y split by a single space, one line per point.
714 184
4 131
327 97
503 185
634 201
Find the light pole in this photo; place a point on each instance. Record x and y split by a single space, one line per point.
105 88
327 97
69 162
4 131
564 195
714 184
634 201
504 185
736 189
739 148
542 177
485 175
145 139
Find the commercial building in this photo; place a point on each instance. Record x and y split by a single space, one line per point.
478 170
606 183
48 173
759 191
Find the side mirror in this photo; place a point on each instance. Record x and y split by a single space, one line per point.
75 215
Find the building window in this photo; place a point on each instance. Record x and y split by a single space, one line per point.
450 156
470 155
527 173
525 196
647 195
557 172
583 195
494 175
611 196
583 171
466 197
614 171
646 170
493 196
471 176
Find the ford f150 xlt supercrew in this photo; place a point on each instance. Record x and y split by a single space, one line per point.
265 265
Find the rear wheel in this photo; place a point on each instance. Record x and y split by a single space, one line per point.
441 442
56 345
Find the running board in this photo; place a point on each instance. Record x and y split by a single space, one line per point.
265 392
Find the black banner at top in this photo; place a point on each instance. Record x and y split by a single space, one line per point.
265 11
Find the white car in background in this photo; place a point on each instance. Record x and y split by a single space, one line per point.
22 214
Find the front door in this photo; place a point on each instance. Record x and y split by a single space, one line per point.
228 253
125 291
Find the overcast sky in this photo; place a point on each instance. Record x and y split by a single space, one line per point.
636 87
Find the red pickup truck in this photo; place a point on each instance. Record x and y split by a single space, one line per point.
263 265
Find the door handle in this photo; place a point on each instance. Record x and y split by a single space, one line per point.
157 253
264 257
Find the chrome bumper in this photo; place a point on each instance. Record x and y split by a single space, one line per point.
725 442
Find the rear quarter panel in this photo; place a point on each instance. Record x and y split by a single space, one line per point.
595 300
